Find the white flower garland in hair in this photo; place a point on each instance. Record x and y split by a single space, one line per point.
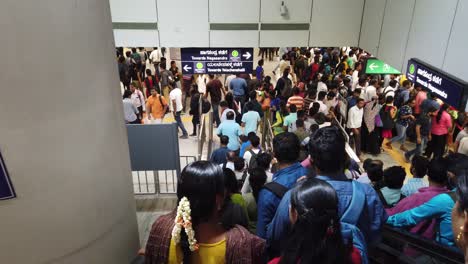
183 219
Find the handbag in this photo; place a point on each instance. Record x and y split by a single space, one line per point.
378 121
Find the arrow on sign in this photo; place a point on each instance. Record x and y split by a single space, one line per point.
187 68
247 55
373 66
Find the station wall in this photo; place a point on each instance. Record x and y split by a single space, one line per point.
393 30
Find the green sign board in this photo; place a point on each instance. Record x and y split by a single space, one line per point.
375 66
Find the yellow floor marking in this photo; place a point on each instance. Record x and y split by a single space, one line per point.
397 155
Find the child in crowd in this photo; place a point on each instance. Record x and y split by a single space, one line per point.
418 169
393 180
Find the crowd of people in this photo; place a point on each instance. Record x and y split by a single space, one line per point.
307 199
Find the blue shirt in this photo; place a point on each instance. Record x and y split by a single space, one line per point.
251 120
413 185
243 148
439 207
372 217
238 86
268 202
258 72
219 156
232 130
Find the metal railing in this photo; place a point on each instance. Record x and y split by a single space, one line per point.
266 131
400 246
160 181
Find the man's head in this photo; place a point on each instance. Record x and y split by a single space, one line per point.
300 123
432 111
253 96
153 91
264 160
211 76
357 92
394 177
224 140
162 65
327 150
331 95
417 87
286 147
406 84
360 103
362 81
173 64
296 91
286 72
132 88
251 135
249 106
393 83
255 141
437 171
134 50
293 108
260 62
321 95
239 164
375 170
223 105
358 66
230 116
419 166
373 82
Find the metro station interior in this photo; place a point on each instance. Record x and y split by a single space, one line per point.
249 131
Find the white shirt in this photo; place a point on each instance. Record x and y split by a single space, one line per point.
248 155
463 147
321 87
155 56
355 80
390 91
130 110
323 107
138 99
201 83
229 79
229 165
371 91
355 117
246 187
176 95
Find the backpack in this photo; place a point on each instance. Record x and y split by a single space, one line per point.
349 220
387 120
253 159
398 100
163 105
287 89
206 106
137 58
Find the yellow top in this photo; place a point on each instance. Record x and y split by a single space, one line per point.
206 254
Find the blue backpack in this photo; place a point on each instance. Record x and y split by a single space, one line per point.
349 220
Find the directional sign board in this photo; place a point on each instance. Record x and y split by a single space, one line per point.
448 88
375 66
6 188
217 60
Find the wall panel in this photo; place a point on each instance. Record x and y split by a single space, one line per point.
234 38
128 11
371 25
430 29
335 22
239 11
298 11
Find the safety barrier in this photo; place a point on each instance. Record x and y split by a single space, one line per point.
158 181
266 131
399 246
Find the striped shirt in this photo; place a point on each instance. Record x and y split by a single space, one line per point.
413 185
296 100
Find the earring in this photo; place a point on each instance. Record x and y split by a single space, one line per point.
460 233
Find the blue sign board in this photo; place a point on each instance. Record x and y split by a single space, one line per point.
216 60
6 188
448 88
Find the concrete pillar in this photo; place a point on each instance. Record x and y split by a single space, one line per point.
62 136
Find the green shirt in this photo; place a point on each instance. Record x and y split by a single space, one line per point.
237 198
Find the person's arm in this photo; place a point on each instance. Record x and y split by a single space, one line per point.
142 101
166 105
148 107
174 105
243 121
265 211
278 229
285 125
433 208
135 109
418 133
377 216
278 120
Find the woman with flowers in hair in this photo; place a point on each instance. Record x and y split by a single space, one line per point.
194 232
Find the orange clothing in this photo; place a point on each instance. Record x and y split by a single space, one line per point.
153 106
266 104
